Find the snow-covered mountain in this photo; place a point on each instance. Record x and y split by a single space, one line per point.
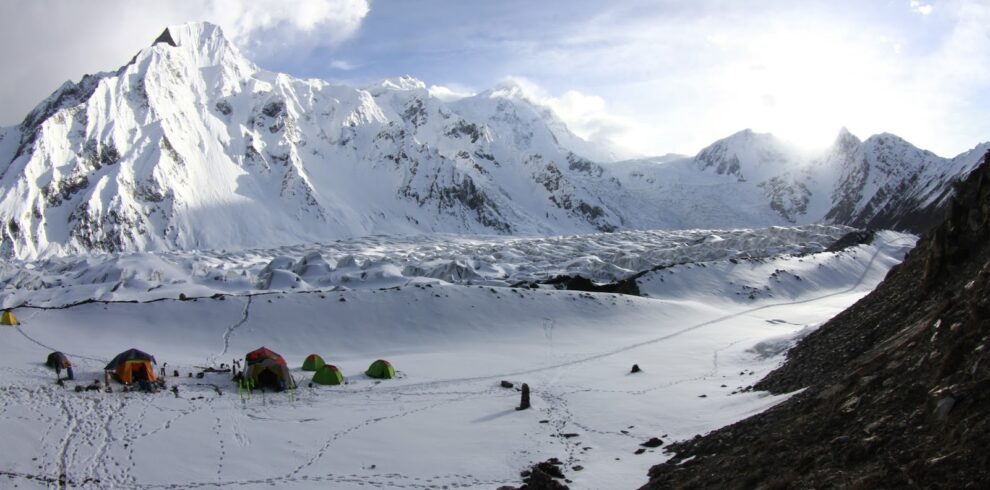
191 146
885 182
751 179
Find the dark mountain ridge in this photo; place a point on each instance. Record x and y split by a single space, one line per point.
897 387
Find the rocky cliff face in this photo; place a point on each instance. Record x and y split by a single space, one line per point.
885 182
897 386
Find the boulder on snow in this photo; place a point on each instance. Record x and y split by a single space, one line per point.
542 476
653 442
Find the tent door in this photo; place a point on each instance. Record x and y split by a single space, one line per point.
139 372
268 379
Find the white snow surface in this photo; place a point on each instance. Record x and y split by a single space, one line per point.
444 422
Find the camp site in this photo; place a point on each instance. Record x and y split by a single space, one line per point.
337 388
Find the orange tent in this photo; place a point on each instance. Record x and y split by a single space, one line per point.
133 365
132 371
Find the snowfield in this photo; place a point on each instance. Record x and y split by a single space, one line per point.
709 324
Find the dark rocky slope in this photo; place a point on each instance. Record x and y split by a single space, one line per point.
898 385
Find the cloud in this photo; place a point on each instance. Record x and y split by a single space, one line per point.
266 28
449 94
46 42
587 116
245 17
342 65
653 76
680 79
921 7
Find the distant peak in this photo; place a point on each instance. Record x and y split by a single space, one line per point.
746 136
845 138
405 82
887 139
511 88
165 37
199 43
191 34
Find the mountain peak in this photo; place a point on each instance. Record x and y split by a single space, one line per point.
404 82
757 155
165 37
845 140
191 33
197 44
746 138
885 136
511 88
845 134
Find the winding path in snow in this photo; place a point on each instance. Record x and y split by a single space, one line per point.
655 340
245 315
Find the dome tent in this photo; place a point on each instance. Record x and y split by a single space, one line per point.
328 374
263 353
266 369
381 369
132 365
313 362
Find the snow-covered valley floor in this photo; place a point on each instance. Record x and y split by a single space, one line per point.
704 330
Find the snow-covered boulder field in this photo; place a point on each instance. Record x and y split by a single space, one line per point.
717 309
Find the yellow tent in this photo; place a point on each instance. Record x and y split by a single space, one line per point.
8 318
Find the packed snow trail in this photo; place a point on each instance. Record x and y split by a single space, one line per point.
214 359
858 283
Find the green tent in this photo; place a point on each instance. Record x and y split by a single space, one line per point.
381 369
328 374
313 362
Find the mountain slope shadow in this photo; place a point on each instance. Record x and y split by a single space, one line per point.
897 386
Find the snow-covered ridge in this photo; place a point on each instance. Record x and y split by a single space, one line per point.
882 182
190 146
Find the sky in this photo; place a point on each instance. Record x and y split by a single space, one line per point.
649 76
